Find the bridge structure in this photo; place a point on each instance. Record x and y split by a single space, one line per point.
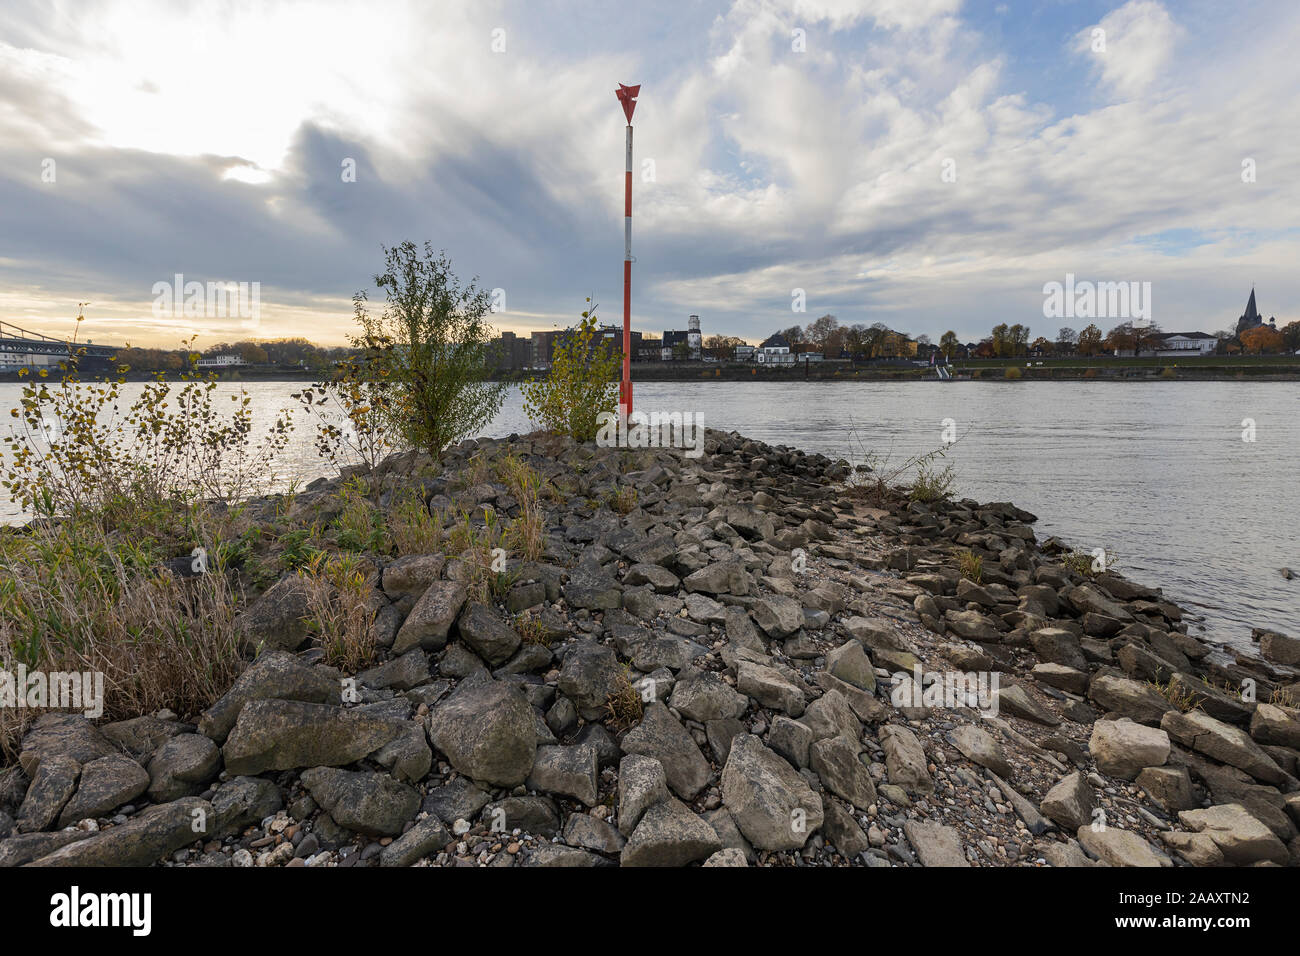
22 348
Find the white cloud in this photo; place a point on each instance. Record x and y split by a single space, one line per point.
1138 39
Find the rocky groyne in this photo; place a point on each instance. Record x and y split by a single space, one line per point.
730 660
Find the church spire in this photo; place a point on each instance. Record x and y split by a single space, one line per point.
1251 312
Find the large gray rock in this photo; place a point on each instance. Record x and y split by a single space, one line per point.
1241 837
1273 725
877 633
1016 702
401 673
843 831
490 637
1090 599
278 619
850 663
1055 645
1223 742
661 736
669 834
935 844
242 801
836 761
777 615
1280 649
430 620
790 739
590 833
979 746
1123 748
1168 787
722 577
105 785
52 786
591 586
1069 803
1116 847
772 805
143 840
567 771
905 759
538 816
407 578
973 626
1123 697
705 696
67 735
426 837
182 767
590 675
728 856
275 675
371 803
487 731
831 715
641 784
287 734
770 688
141 736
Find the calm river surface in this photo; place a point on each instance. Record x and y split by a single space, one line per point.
1156 472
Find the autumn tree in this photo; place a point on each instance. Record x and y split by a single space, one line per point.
1262 339
819 330
1090 341
1291 335
948 344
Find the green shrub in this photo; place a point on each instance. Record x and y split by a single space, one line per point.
581 384
431 344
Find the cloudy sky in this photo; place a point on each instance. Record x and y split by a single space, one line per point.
795 144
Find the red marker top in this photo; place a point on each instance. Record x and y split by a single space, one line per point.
627 96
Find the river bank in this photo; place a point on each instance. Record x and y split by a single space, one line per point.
1210 369
685 660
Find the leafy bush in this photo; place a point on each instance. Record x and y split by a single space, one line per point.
72 450
367 432
431 346
581 384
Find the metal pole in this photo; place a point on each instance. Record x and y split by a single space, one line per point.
627 97
626 390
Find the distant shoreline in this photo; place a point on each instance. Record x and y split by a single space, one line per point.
1270 369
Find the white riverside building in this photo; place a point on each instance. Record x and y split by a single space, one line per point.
221 361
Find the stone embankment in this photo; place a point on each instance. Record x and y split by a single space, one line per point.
738 671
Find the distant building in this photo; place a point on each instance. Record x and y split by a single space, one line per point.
543 347
774 350
512 352
1251 319
650 349
611 337
744 353
221 361
1175 344
689 337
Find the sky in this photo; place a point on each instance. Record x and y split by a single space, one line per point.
928 164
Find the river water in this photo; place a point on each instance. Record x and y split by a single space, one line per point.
1156 472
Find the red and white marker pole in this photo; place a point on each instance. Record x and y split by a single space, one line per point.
627 96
